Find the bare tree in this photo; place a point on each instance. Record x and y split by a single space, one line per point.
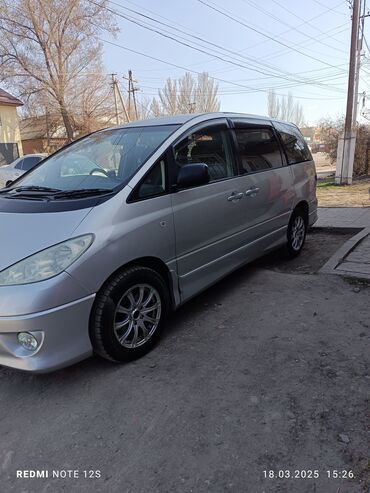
330 131
93 103
285 108
155 108
206 94
298 116
46 45
187 95
168 98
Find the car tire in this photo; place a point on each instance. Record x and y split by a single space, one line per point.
129 314
296 235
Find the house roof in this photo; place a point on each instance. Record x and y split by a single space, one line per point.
7 99
36 128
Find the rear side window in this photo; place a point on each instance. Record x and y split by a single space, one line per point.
30 162
258 149
19 164
295 146
211 146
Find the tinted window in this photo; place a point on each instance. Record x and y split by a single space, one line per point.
258 149
19 164
154 183
210 146
30 162
294 143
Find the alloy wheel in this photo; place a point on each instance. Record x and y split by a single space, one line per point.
298 233
137 315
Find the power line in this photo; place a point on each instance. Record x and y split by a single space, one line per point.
272 16
287 76
186 43
187 69
253 60
274 54
262 33
308 22
304 23
225 91
333 9
184 32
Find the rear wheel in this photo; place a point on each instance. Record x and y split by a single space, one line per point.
129 314
297 231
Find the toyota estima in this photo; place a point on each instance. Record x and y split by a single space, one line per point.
102 239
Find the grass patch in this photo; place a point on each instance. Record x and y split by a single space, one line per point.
322 184
330 194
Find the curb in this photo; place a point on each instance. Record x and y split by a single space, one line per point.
331 265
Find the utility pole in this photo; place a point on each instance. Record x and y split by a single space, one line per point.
117 91
122 103
131 90
346 145
358 62
114 85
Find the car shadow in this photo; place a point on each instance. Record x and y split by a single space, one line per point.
96 367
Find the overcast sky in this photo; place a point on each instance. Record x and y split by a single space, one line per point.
309 49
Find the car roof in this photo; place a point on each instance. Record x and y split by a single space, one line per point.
182 119
36 154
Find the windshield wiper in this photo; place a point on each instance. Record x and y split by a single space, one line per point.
36 192
30 188
80 193
31 192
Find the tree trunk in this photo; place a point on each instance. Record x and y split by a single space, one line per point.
66 121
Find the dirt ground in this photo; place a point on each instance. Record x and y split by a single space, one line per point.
355 195
322 162
268 370
320 245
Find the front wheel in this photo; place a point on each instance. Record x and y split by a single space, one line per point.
297 231
129 314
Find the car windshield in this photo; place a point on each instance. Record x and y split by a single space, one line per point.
101 161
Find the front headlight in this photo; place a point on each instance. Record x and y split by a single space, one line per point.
47 263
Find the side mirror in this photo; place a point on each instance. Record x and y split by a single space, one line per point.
193 175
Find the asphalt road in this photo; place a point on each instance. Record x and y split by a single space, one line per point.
267 370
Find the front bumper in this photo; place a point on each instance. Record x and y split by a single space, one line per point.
62 332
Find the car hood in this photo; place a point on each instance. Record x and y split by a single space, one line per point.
22 234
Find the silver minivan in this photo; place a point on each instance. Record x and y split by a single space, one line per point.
103 238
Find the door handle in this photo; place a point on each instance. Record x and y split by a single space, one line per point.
235 196
252 192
